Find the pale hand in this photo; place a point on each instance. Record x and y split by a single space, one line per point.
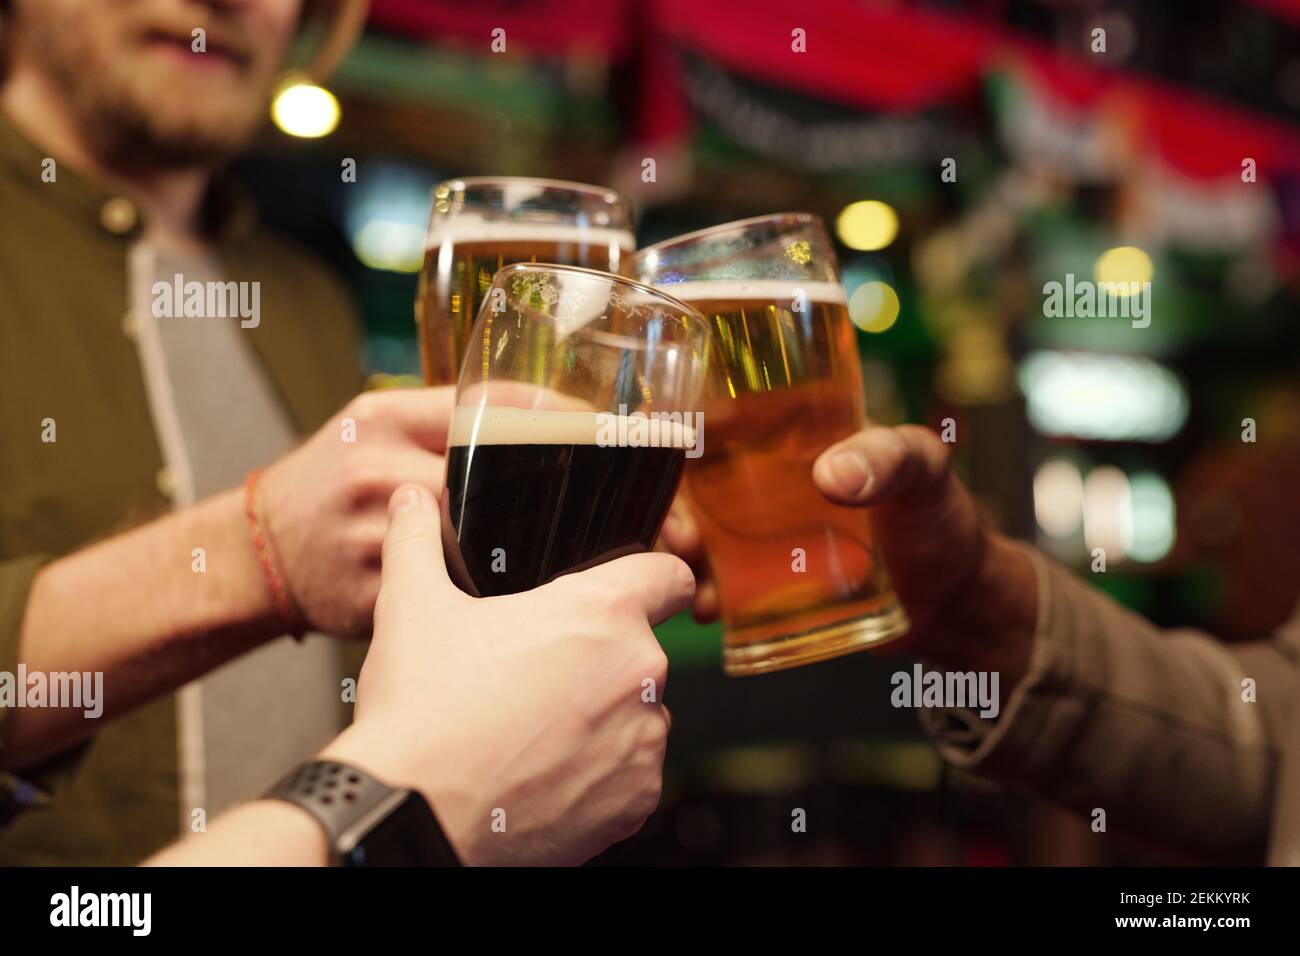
532 722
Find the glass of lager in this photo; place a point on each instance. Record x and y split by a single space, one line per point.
800 579
577 407
479 224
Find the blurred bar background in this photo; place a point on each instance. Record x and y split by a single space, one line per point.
965 155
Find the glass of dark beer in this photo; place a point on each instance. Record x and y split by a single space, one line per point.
479 224
800 579
577 406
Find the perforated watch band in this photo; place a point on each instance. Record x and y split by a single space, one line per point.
356 810
335 794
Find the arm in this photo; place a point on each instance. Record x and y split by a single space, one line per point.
1149 725
261 833
1099 708
526 710
132 608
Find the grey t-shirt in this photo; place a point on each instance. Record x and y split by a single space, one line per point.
217 416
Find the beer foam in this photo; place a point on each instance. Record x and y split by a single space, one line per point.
771 290
501 425
477 229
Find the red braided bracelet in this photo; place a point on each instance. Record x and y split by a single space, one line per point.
279 591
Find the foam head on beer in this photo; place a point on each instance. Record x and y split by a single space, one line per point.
535 493
783 292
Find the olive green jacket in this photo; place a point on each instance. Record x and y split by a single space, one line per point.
66 354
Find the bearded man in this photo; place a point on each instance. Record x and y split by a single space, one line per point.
131 544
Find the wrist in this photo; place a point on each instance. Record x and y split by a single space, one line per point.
300 834
392 759
245 596
370 750
258 833
264 545
357 746
377 753
997 615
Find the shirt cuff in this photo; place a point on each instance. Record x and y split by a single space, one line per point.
16 578
17 795
967 740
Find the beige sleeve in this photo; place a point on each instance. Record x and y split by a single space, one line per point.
1149 725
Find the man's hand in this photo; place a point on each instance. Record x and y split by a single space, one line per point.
969 592
324 504
323 507
531 722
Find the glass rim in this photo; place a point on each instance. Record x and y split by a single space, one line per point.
735 225
694 314
568 185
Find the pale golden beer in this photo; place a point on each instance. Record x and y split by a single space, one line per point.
800 578
478 225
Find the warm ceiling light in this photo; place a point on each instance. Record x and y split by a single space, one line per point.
301 108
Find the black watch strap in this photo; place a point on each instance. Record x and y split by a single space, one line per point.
368 823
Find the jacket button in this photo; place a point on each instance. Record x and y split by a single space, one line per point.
166 483
118 215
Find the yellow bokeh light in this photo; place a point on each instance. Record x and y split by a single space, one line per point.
306 110
874 307
1126 266
868 225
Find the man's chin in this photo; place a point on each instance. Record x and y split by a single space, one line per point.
186 151
173 131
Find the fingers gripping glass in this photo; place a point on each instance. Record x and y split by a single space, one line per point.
577 405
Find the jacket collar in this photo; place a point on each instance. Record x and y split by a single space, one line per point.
228 211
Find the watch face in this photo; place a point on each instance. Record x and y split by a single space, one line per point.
408 836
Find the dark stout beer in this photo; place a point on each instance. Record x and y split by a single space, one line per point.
531 495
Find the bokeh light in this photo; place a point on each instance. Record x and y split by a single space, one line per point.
868 225
1153 517
384 215
1058 498
305 110
1108 513
874 306
1127 266
1106 397
391 246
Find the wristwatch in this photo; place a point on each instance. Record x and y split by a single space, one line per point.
367 822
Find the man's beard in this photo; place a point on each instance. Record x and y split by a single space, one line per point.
123 129
140 112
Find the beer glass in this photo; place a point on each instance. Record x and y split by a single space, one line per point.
577 405
800 578
479 224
